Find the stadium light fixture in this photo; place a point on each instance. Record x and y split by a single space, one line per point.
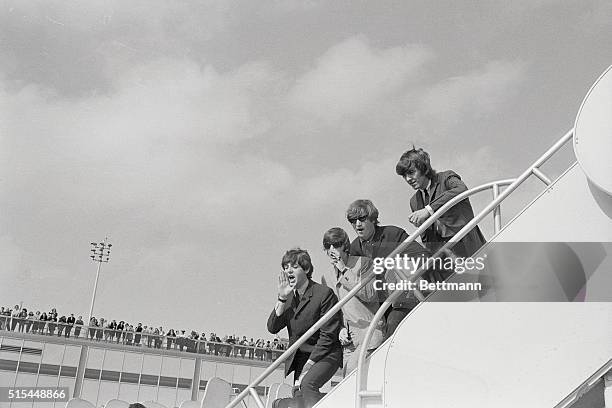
101 253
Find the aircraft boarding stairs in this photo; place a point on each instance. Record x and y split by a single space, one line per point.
540 332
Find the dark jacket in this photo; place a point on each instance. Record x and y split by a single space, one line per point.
384 241
324 343
447 185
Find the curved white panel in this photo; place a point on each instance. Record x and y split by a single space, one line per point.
79 403
593 133
153 404
117 403
189 404
217 393
482 355
343 395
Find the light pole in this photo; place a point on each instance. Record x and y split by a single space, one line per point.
100 253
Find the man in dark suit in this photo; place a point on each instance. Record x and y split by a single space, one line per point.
301 303
77 326
378 241
433 190
70 321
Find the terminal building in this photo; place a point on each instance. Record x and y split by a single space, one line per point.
119 371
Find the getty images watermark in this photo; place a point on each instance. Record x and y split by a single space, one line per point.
410 265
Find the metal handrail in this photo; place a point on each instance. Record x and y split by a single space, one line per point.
365 281
361 373
585 386
492 206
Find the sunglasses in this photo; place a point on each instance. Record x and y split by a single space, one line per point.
353 220
327 245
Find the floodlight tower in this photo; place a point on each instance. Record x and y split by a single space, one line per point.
100 254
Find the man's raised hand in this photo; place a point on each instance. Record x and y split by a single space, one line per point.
284 287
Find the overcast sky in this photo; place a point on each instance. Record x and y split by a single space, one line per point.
205 138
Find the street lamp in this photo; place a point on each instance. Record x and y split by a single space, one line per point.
100 252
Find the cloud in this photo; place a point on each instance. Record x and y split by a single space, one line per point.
293 6
353 75
158 164
182 100
155 103
161 139
79 48
597 16
466 98
140 18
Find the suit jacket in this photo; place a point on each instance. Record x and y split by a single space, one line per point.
385 239
445 186
315 302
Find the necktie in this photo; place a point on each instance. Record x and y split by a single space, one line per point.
296 299
425 197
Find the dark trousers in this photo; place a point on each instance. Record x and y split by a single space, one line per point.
307 395
465 247
394 318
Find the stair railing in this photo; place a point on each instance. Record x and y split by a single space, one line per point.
493 206
585 386
494 186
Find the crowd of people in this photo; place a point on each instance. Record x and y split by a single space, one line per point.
48 323
301 302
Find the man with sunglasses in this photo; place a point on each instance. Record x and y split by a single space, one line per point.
360 310
378 241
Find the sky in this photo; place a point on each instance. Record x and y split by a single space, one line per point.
205 138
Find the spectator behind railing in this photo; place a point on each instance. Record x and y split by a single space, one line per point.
120 331
3 320
23 314
28 321
138 334
109 331
77 326
170 338
159 332
93 323
100 330
61 326
69 325
15 317
52 322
